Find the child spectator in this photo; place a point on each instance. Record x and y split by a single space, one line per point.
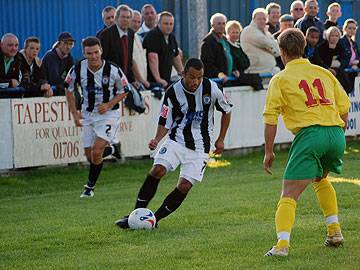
311 51
333 13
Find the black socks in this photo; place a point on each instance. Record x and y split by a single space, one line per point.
94 173
170 204
147 191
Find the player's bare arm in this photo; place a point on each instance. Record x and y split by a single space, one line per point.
225 122
71 103
270 133
345 117
104 107
161 132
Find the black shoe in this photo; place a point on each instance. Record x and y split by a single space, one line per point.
117 150
123 222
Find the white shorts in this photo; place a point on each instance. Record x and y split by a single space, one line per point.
105 126
192 164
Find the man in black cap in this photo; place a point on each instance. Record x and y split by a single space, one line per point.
58 61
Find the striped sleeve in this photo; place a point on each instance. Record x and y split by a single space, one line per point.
70 80
120 82
166 115
221 104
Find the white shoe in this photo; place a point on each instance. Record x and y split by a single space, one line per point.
88 192
277 252
335 240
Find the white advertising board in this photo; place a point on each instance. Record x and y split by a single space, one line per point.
44 132
246 127
6 139
353 125
40 131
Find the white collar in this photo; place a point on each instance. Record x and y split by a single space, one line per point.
121 32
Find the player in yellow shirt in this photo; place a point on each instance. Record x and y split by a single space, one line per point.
315 108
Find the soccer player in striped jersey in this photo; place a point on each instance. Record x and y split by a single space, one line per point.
102 89
315 108
187 116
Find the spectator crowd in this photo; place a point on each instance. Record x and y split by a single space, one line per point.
143 45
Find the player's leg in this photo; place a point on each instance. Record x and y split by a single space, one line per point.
112 149
149 187
96 164
87 151
285 215
325 192
88 138
174 199
326 196
166 159
302 168
191 171
96 160
146 192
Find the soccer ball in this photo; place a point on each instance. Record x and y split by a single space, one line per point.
142 218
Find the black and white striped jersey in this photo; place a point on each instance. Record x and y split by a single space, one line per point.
189 116
97 87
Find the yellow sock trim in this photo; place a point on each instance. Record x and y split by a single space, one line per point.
285 215
326 196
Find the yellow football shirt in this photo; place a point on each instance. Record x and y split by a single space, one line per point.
305 95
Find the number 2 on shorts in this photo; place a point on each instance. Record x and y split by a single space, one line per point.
108 129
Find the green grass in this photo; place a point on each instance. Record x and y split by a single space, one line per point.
227 221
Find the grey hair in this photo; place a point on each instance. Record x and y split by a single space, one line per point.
215 16
8 35
294 3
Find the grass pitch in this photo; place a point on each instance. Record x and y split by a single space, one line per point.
226 222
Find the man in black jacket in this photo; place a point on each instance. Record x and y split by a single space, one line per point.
117 41
57 62
108 17
218 58
213 51
33 77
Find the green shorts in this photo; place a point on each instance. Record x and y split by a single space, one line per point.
315 149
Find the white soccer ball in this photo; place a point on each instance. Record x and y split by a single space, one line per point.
142 218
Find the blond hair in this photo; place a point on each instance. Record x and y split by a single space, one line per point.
333 5
257 11
331 30
232 24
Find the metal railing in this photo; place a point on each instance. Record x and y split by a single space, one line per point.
20 91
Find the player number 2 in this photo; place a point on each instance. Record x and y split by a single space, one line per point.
108 129
311 101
